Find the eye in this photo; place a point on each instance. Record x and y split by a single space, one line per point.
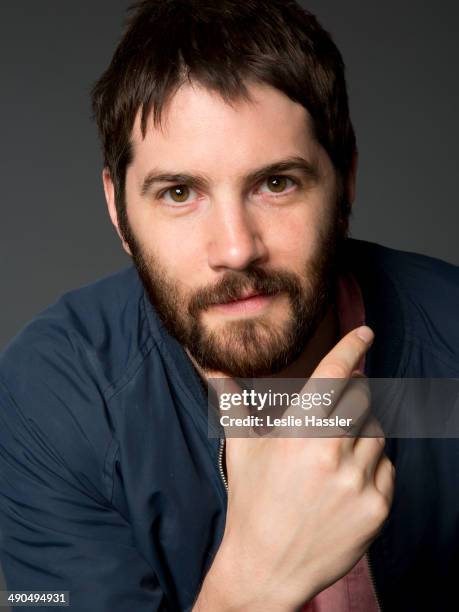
178 194
277 184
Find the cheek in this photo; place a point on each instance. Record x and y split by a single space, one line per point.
295 237
181 254
168 244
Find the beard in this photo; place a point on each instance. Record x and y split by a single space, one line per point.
246 347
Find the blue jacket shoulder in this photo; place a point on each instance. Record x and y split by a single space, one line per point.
428 292
57 374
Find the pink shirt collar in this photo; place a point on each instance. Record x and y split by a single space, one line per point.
354 592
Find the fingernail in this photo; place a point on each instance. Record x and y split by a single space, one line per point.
365 333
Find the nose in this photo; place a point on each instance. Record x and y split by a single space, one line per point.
235 239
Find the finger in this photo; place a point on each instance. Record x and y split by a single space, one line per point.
384 478
338 364
352 410
345 356
369 446
354 403
341 362
371 429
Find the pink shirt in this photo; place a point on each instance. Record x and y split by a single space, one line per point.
354 592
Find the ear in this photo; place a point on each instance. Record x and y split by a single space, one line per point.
109 190
352 178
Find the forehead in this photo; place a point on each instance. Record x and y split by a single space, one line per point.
200 130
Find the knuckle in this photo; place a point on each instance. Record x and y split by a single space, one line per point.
390 467
373 430
363 393
335 369
378 442
378 508
359 391
328 460
352 479
386 462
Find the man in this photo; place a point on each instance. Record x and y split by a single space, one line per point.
230 164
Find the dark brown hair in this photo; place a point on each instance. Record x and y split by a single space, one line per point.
221 44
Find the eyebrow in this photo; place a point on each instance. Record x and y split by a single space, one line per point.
309 170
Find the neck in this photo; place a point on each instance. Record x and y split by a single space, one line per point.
318 346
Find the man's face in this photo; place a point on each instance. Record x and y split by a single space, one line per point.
233 225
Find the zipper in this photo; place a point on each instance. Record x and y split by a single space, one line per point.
373 582
220 463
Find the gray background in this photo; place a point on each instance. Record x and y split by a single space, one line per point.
402 62
402 66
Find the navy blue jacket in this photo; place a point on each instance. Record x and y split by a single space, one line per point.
109 483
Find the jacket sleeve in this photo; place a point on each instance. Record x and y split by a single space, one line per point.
58 529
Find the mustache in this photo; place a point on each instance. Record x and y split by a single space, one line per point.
233 284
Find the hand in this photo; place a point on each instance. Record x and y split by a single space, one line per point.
302 511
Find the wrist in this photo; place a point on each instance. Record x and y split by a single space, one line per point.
228 587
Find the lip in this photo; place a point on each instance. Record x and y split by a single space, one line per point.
248 294
250 303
